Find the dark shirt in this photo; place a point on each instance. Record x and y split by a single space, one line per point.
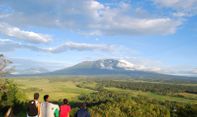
82 113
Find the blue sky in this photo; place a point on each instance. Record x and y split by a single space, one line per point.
158 35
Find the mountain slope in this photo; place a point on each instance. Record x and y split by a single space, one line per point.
110 67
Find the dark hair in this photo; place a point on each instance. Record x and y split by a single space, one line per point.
83 105
65 101
36 96
46 97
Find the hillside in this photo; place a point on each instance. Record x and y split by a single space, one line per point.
113 67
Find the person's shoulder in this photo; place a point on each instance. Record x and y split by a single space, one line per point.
54 105
78 111
32 101
65 105
68 105
43 103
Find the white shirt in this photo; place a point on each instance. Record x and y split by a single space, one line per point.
47 109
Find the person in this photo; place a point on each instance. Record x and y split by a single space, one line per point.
56 109
33 108
65 109
82 112
48 109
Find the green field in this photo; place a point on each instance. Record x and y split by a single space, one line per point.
59 88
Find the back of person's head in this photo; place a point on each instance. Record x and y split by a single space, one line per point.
83 105
46 97
65 101
36 96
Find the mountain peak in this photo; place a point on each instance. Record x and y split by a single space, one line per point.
109 64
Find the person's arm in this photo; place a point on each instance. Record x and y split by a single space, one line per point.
40 114
39 109
69 108
56 112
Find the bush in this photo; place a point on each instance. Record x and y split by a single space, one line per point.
10 95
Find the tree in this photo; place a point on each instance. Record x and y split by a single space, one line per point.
4 65
11 97
8 90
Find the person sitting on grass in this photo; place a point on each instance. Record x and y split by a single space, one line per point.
82 112
33 108
65 109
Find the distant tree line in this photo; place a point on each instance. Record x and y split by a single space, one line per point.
158 88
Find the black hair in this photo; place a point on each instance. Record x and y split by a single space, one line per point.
36 96
46 97
83 105
65 101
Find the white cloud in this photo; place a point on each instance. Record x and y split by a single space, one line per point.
89 17
179 14
138 66
135 63
80 47
143 26
167 3
8 45
188 7
178 4
195 71
24 35
22 66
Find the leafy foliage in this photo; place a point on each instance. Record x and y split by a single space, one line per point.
10 93
113 104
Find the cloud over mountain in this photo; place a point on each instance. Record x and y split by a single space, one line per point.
7 45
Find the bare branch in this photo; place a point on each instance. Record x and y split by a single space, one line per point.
4 65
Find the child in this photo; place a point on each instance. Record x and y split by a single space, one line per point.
65 109
82 112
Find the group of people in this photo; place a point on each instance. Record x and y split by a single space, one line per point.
48 109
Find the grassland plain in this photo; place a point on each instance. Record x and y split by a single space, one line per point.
59 88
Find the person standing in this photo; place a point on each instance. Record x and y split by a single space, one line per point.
48 109
33 108
65 109
82 112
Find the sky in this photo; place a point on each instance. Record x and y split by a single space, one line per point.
157 35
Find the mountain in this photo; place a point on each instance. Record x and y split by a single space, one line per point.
23 66
111 67
37 70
